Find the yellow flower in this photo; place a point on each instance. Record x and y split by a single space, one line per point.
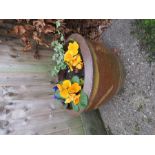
68 91
75 88
70 98
63 88
73 47
76 99
68 56
66 84
72 58
79 66
64 93
70 66
59 87
76 60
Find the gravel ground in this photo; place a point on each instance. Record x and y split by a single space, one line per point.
132 110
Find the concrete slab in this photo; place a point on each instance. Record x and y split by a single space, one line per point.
132 111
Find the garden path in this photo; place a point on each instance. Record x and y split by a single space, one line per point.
132 111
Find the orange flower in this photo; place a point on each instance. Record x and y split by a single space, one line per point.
70 66
64 93
59 87
75 88
68 91
70 98
72 58
76 99
66 84
76 60
63 88
68 56
79 66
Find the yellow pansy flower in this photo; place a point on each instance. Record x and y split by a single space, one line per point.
70 98
76 99
59 87
73 47
64 93
75 88
66 84
68 56
63 88
79 66
69 91
70 66
76 60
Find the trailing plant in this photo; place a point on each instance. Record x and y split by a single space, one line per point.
144 30
58 49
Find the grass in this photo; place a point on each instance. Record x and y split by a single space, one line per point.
144 30
136 128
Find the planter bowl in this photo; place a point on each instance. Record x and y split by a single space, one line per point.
103 73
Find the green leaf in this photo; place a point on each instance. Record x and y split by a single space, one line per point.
75 107
58 24
54 43
75 79
81 82
83 100
62 38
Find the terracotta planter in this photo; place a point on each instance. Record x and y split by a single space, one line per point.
103 73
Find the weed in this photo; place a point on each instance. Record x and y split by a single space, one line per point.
144 30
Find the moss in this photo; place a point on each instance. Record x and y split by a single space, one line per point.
136 128
140 108
144 30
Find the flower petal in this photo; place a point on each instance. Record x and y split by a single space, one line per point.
64 94
75 88
79 66
73 47
59 87
68 56
76 99
66 84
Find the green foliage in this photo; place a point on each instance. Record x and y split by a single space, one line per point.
58 24
78 80
83 100
75 107
144 30
58 56
75 79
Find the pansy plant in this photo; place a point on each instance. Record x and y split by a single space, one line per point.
72 57
70 93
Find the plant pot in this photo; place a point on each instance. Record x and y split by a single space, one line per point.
103 73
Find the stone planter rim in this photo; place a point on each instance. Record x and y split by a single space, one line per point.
88 62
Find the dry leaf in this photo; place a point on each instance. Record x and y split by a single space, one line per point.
39 40
26 43
39 25
19 30
49 29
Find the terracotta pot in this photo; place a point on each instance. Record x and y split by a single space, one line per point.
103 73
